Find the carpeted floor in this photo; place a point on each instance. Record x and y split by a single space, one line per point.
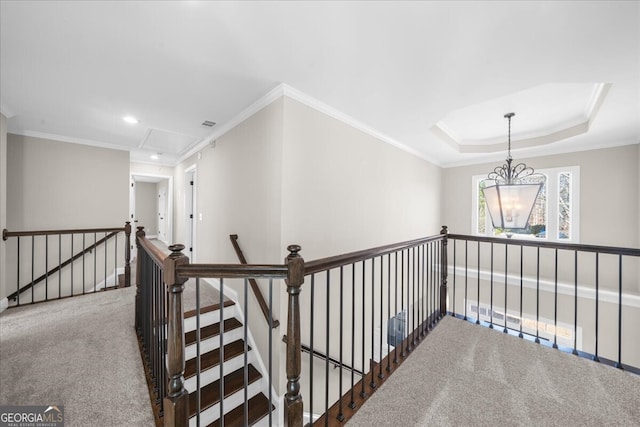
80 352
468 375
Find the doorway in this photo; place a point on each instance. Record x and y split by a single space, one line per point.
151 206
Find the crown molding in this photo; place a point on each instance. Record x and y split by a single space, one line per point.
72 140
285 90
258 105
345 118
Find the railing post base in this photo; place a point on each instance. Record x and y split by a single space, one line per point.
176 409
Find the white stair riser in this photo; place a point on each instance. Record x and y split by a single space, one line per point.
212 343
213 413
213 374
207 319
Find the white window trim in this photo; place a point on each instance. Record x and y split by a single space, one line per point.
553 177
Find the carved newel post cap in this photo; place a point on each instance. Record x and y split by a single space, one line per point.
294 249
140 227
176 250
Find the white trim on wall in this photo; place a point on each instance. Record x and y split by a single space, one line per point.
288 91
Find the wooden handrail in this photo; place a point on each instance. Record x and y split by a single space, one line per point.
319 355
6 233
28 286
329 263
154 252
614 250
254 285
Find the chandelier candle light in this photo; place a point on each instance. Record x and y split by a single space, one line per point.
514 191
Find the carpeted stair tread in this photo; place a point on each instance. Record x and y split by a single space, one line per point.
258 409
211 331
212 358
210 394
207 309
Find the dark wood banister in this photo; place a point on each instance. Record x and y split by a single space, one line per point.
254 285
328 263
614 250
113 231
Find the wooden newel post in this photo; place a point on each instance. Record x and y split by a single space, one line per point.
295 278
139 234
127 254
444 269
176 404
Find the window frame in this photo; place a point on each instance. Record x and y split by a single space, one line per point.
552 212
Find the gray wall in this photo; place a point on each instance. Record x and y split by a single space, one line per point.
609 187
53 184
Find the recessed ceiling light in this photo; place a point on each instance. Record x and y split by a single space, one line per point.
130 119
154 157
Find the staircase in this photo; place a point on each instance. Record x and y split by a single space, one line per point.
233 370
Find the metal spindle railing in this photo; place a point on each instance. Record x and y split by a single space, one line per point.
563 306
48 261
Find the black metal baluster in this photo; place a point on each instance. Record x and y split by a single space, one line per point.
466 275
270 367
340 413
84 276
105 260
326 371
163 332
388 310
59 265
423 285
380 375
18 271
521 335
33 261
506 278
222 352
72 264
575 303
363 394
115 262
352 403
538 295
46 268
435 307
454 278
555 303
95 263
246 352
619 362
372 384
491 289
404 313
595 357
412 341
395 298
478 305
311 322
198 355
428 288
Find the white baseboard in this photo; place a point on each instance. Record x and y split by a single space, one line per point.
4 304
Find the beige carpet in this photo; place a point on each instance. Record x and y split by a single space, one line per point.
80 352
468 375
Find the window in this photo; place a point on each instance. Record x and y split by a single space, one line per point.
555 215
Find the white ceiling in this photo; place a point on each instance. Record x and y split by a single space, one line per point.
72 70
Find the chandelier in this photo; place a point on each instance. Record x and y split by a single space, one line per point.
511 198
